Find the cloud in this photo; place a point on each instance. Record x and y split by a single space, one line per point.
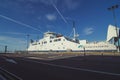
49 2
20 23
64 4
17 33
51 17
29 0
46 2
88 31
39 17
49 26
12 40
71 4
14 33
13 43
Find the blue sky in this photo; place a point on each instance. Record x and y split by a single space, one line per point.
21 17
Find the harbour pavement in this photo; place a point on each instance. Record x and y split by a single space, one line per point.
59 67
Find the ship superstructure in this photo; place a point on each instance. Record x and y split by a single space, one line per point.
54 42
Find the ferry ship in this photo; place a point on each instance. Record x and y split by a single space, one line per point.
52 41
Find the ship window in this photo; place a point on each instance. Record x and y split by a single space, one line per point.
50 41
51 37
55 40
59 39
45 42
34 44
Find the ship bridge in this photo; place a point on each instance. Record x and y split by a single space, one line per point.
52 35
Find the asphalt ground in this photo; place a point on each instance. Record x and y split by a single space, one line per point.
62 67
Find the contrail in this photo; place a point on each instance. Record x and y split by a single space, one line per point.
16 33
59 13
18 22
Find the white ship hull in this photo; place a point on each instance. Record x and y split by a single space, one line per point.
57 42
71 46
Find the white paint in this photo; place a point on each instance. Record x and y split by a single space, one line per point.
80 69
53 57
60 57
36 58
11 74
11 61
2 78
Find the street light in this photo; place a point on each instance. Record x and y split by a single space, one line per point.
5 49
27 42
112 8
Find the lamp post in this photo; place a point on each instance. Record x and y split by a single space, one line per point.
5 49
112 8
27 42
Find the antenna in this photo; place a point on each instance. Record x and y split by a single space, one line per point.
74 29
75 36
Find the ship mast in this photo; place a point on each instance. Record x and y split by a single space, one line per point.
74 33
75 36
